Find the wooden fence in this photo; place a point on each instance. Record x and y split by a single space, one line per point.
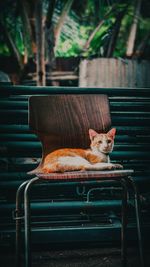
106 72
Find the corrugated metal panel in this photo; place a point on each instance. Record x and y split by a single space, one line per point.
106 72
60 205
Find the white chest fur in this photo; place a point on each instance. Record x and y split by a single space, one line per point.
72 161
103 157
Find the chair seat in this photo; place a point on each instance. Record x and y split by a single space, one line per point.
86 175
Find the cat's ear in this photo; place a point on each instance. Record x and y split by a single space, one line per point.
92 134
112 133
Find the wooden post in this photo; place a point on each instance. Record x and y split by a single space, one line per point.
27 31
40 41
115 33
49 37
133 31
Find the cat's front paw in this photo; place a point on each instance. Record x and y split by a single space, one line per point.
117 166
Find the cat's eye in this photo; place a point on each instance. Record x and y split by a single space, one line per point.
99 141
109 141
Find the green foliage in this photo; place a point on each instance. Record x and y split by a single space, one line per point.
99 43
73 44
4 50
80 23
73 37
13 25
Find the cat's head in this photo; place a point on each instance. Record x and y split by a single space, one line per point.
102 142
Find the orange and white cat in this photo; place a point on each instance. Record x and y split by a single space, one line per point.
72 159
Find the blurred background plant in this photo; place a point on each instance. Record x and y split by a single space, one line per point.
69 28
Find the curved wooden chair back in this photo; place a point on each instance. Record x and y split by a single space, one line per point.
64 120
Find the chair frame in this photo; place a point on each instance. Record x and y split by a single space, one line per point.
24 189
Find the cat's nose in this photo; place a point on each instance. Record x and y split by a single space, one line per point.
105 147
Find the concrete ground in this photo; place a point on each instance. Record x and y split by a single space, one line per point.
83 257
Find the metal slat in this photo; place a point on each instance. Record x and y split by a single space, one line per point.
123 139
11 104
21 117
130 106
25 146
13 116
127 121
101 234
14 128
18 137
44 207
115 106
34 90
130 130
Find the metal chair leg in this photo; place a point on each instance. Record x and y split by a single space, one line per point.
27 223
27 185
28 226
18 219
138 219
124 224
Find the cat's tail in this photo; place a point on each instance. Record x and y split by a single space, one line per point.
46 169
35 171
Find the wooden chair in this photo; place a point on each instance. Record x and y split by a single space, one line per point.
63 121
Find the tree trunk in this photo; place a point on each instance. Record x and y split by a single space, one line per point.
40 55
27 31
62 18
141 47
115 32
49 36
133 31
87 44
